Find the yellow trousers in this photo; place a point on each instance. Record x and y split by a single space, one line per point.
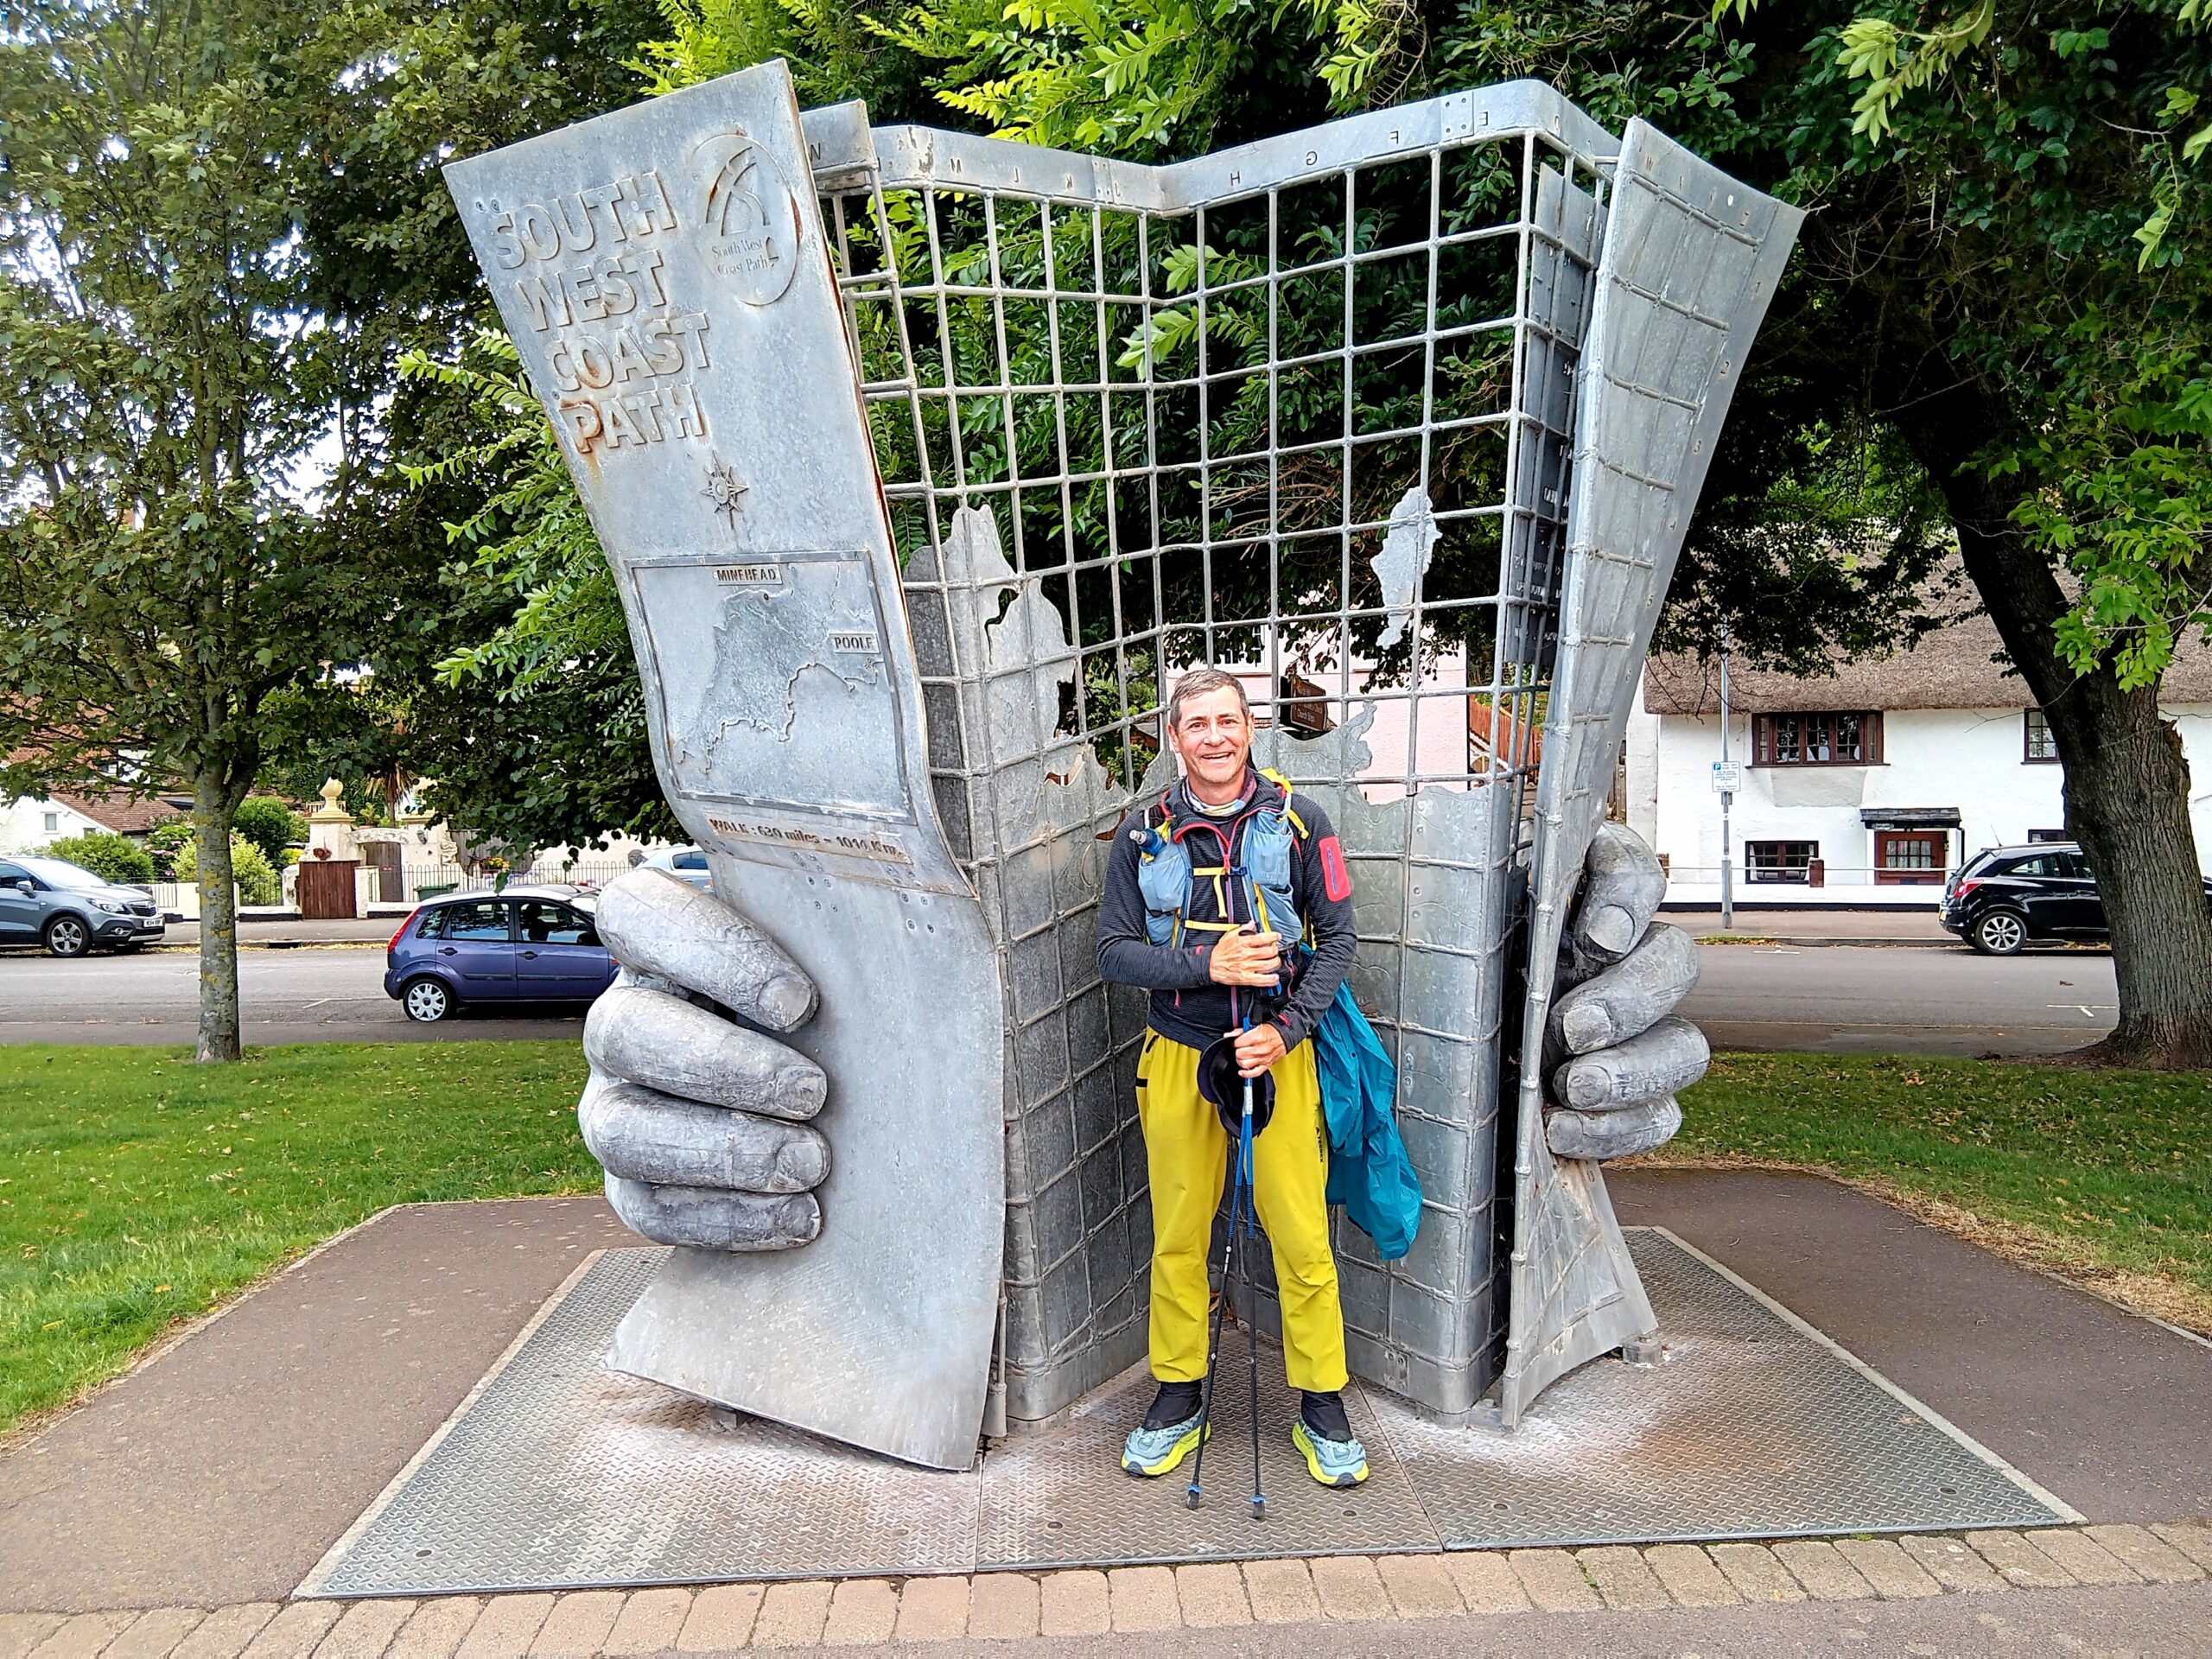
1188 1152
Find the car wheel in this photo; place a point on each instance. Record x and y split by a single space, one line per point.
67 936
426 1000
2000 933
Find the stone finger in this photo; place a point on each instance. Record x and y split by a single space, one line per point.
680 1048
1631 996
1672 1055
643 1136
655 923
1622 885
1601 1135
702 1219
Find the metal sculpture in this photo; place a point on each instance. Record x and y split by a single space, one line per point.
924 462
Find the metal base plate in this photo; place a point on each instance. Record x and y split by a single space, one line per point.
559 1473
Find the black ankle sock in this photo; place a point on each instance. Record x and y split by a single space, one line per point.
1324 1415
1176 1403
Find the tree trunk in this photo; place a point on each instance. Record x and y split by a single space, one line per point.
2127 792
212 813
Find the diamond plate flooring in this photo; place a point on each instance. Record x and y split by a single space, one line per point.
561 1474
1750 1430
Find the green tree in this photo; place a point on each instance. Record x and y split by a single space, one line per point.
2005 276
220 225
111 857
253 871
164 842
270 824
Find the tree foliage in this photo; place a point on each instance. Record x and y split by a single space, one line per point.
218 225
110 856
270 824
253 870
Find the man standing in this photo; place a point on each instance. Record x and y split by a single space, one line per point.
1208 895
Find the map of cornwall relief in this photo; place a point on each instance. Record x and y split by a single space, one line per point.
774 683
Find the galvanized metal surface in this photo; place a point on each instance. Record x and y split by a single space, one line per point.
1056 1497
1748 1430
1300 409
1304 409
665 274
562 1474
1691 259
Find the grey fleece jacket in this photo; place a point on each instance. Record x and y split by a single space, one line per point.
1187 1007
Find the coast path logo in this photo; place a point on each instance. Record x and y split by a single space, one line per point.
750 216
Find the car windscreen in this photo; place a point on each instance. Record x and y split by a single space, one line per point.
55 873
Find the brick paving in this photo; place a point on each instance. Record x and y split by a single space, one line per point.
1081 1602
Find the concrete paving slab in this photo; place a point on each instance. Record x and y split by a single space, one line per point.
2071 1390
258 1439
1003 1607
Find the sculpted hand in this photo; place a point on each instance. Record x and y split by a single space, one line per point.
701 1123
1617 1052
1247 958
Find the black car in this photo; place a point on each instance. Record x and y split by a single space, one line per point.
2004 896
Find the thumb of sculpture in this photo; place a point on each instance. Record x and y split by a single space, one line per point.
656 923
1622 885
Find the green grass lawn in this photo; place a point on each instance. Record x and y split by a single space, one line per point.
2104 1175
137 1188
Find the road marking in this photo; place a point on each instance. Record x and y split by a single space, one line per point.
2087 1013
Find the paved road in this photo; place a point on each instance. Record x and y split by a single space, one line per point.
1846 999
308 994
1835 999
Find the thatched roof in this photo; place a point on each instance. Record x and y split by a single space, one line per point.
1951 668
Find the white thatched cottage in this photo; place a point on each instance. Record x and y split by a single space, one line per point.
1864 785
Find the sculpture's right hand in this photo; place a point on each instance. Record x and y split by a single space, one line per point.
700 1122
1246 959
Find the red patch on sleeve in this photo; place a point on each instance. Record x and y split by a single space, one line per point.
1335 880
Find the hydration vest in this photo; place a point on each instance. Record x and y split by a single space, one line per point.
1167 873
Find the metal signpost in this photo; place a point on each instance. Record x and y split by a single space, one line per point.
924 463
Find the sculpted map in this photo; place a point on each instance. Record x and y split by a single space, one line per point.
773 686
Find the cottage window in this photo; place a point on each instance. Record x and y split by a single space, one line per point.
2038 746
54 823
1780 861
1817 740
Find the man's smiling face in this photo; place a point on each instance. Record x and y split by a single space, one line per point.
1212 736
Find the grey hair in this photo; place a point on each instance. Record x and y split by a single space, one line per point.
1197 683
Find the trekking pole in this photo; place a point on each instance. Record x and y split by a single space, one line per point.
1251 1322
1190 1493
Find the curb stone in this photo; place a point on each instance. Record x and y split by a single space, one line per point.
1088 1602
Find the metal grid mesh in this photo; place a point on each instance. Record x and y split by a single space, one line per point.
1306 422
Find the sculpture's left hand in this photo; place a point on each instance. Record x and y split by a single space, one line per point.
1617 1051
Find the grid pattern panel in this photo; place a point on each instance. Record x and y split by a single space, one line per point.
1313 431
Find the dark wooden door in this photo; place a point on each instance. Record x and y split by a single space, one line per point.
387 857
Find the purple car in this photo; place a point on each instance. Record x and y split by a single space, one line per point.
527 945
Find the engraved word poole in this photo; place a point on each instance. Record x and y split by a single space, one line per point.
751 217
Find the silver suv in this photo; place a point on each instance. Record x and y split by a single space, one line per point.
44 900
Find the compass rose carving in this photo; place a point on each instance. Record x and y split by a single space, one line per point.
724 488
